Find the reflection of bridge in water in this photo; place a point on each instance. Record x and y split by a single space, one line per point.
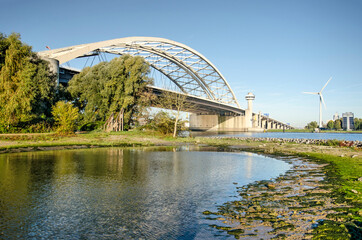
189 73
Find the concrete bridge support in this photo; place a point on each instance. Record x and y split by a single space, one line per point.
213 122
269 124
53 66
246 122
263 124
217 123
259 121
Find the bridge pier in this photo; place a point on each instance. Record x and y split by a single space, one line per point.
247 121
263 124
53 66
268 124
219 123
202 122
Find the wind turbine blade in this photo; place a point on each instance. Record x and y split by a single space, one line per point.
326 84
310 93
321 96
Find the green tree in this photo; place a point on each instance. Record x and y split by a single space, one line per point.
312 125
65 116
27 87
178 103
330 124
144 114
109 87
4 45
338 124
164 123
358 123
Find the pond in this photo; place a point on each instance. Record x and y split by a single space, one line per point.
122 193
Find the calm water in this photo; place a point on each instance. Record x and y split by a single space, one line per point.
116 193
338 136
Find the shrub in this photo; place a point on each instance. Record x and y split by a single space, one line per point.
65 116
333 142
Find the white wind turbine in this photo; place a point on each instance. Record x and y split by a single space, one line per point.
320 101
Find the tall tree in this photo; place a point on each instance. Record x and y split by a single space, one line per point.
312 125
27 87
109 87
338 124
4 45
358 124
330 124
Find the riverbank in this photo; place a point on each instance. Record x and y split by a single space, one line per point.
301 204
49 141
339 174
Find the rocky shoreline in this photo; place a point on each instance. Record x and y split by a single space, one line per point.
296 205
342 143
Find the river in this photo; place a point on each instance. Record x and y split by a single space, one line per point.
122 193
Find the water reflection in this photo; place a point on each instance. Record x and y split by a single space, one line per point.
249 165
121 193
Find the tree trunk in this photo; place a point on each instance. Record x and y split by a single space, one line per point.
175 127
114 124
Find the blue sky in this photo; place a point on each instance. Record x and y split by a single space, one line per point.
275 49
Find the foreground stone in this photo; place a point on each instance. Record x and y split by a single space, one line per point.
342 143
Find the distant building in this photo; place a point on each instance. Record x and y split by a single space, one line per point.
335 117
348 121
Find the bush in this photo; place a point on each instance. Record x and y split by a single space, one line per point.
163 123
312 125
8 129
65 116
38 125
333 142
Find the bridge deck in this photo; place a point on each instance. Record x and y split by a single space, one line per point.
203 106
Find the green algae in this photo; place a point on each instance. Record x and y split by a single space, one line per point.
258 204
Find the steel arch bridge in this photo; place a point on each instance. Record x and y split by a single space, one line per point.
189 70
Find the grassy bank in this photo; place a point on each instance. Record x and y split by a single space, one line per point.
28 142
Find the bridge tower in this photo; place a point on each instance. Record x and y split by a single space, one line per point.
249 112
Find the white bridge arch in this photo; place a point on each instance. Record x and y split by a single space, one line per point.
189 70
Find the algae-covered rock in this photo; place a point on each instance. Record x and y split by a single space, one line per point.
207 213
270 185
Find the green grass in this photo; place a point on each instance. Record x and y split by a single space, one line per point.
344 172
95 138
